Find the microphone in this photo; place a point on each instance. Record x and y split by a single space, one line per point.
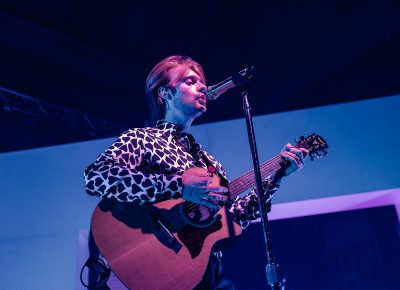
238 79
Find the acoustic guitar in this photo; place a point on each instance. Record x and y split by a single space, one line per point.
167 245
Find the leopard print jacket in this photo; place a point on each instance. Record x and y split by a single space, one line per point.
145 166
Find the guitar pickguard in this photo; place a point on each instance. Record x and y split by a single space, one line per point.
193 238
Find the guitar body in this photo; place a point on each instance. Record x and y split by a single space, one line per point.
162 246
167 245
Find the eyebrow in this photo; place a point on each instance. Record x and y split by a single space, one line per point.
194 77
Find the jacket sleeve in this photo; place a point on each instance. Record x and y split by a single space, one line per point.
116 173
245 210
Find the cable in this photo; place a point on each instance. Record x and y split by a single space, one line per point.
102 276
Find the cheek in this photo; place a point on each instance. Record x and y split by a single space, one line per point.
181 100
187 95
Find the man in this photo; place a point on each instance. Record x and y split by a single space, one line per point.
154 164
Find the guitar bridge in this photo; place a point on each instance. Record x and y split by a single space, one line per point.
164 235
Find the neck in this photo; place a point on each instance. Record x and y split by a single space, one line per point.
183 121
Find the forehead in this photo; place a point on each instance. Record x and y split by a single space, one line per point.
191 74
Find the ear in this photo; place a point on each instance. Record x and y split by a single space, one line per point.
164 93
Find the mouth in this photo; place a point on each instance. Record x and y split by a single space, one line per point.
202 100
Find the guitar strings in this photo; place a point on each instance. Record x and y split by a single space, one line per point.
248 178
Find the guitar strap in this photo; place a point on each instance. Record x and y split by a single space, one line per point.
198 154
213 276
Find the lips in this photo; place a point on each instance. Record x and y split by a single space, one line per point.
202 100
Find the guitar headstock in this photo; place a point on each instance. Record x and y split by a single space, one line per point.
315 144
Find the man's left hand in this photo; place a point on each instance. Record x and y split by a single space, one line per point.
294 158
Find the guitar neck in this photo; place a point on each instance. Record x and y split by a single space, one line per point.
246 181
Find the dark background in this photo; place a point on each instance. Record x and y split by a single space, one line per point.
358 250
84 63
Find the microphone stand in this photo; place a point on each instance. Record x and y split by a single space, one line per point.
271 267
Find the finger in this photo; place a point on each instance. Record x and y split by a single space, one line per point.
208 175
288 145
215 189
304 150
298 152
205 174
290 155
217 197
292 158
294 150
206 180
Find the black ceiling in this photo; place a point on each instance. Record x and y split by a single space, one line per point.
93 57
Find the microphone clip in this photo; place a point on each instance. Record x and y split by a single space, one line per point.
239 79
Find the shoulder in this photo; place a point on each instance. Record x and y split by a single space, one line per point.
142 137
136 132
134 137
140 133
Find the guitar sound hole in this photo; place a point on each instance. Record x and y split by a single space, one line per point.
197 215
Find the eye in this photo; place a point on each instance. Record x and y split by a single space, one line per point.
189 81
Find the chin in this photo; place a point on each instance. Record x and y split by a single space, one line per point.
201 111
201 108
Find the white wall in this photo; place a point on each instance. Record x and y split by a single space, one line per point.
44 205
362 137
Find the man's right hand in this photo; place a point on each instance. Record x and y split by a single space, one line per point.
196 188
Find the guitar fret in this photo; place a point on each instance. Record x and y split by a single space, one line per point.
239 185
313 144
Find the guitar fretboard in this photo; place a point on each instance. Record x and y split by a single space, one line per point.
248 180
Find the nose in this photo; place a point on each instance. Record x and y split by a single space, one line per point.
202 88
